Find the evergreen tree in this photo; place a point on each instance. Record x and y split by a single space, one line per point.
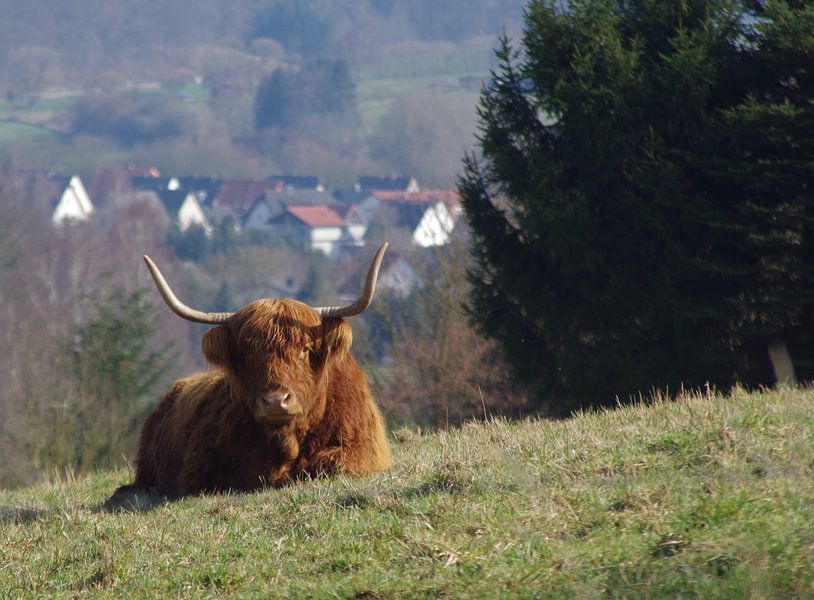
762 174
113 369
641 212
320 88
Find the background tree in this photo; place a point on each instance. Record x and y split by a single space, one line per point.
285 98
294 24
425 132
116 371
191 244
132 119
642 211
29 70
314 287
54 284
428 366
762 178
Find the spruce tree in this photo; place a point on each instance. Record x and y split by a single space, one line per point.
641 207
113 369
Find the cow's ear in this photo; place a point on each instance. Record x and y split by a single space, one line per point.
337 338
216 345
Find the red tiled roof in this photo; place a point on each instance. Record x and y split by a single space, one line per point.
322 215
450 198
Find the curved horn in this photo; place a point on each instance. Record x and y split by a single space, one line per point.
178 307
367 293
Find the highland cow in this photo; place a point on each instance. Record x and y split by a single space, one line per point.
284 400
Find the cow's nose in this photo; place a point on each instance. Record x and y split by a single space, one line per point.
277 400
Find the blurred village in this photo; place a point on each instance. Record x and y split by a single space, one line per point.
297 210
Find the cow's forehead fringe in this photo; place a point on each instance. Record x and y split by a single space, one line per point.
276 324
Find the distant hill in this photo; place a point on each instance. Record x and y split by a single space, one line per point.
97 42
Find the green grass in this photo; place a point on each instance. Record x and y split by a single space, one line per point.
706 498
42 108
432 62
13 132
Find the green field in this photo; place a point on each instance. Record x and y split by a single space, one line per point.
12 132
704 497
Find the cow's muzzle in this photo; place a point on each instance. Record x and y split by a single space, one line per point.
279 405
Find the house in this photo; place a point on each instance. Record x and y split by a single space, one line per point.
113 183
325 227
367 205
182 198
450 198
428 223
70 202
395 275
398 276
206 189
391 184
235 198
272 204
184 210
429 215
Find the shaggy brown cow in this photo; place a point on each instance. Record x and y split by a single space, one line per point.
284 400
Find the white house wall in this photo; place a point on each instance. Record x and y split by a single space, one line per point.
74 204
435 227
326 239
357 233
191 214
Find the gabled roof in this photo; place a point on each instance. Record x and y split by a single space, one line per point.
351 196
239 195
206 189
277 202
69 188
322 215
409 214
450 198
173 199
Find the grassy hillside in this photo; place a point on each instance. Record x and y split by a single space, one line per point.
710 498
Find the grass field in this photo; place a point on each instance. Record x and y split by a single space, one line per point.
704 497
13 132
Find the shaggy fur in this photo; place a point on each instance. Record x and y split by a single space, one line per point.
210 433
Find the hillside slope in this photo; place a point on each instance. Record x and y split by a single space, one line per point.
711 498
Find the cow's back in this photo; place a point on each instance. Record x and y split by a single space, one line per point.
174 429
